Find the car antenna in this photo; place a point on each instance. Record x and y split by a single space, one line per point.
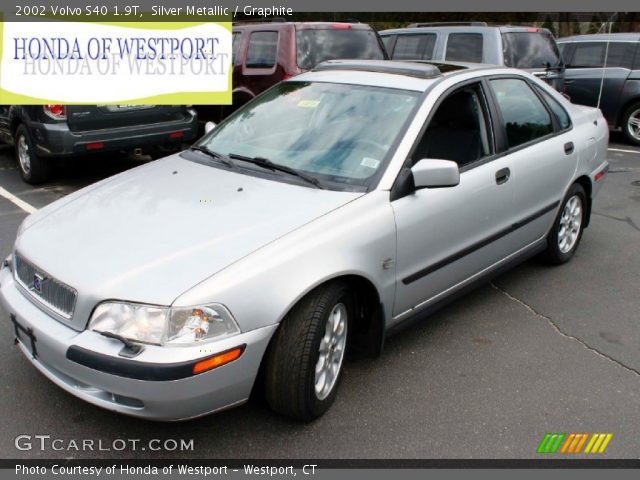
606 56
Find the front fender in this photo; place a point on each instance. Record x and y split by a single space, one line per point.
356 239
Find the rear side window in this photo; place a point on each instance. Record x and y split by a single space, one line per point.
558 110
414 47
530 50
263 50
317 45
464 47
524 115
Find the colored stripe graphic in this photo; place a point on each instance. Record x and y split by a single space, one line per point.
550 442
598 443
573 443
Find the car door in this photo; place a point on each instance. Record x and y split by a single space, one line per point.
445 236
541 147
592 64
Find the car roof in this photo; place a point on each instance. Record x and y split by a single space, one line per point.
300 25
629 37
407 75
465 28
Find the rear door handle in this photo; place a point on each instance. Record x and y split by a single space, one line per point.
568 82
502 176
568 148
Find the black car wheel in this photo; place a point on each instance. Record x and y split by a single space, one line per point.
631 124
305 359
33 168
565 236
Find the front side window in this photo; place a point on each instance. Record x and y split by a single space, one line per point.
458 130
524 115
589 54
598 55
414 47
342 134
464 47
263 50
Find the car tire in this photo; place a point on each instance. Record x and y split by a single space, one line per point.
631 124
34 169
565 236
306 346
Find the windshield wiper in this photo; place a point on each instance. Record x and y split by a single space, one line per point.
268 164
213 154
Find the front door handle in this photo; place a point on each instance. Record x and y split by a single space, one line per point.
568 148
502 176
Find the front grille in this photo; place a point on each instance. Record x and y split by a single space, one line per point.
53 294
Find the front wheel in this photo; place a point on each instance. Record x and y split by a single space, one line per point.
564 237
631 124
304 362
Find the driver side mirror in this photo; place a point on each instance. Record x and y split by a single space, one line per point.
434 173
208 127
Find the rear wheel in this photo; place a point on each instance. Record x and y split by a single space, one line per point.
305 360
631 124
33 168
565 236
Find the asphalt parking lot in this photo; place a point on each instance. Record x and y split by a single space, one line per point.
539 350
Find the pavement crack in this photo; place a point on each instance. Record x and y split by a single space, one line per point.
559 331
628 220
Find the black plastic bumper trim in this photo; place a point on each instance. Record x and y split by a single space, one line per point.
137 370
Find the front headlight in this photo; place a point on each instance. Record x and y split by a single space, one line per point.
164 325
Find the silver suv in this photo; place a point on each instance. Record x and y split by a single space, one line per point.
529 48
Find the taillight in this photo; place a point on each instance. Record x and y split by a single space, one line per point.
57 112
341 26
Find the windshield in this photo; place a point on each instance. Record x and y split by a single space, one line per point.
335 132
315 46
530 50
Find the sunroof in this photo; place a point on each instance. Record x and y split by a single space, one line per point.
418 70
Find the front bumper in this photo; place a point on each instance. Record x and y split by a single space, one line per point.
178 399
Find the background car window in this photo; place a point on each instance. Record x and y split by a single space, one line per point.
592 54
263 49
317 45
414 47
530 50
558 110
457 131
464 47
524 115
621 54
235 46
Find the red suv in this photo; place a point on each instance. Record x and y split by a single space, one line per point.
266 53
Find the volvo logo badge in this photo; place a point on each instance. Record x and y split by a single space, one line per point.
38 280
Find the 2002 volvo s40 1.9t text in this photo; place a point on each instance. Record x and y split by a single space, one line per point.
316 219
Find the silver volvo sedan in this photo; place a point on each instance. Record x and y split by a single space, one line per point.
316 220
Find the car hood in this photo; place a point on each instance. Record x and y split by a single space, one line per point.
152 233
